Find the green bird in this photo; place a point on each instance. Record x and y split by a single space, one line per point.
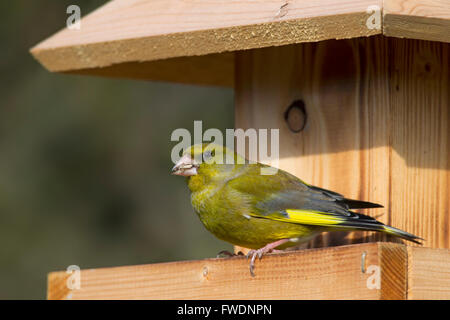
240 205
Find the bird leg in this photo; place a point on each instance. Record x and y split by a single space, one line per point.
261 251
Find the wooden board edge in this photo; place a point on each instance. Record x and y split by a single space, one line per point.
410 294
204 277
416 25
420 28
57 288
393 265
203 42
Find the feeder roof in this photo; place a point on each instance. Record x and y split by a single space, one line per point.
193 41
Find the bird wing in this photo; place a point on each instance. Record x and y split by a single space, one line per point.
299 205
281 191
284 197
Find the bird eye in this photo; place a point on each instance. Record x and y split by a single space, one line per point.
208 155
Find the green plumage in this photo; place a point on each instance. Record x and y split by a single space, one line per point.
239 205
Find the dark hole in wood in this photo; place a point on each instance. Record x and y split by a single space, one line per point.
296 116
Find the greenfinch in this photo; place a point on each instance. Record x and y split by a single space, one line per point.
265 212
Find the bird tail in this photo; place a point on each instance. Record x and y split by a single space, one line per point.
356 204
402 234
352 221
363 222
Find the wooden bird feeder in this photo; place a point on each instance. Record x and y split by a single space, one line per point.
359 90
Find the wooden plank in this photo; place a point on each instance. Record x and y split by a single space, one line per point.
428 273
393 264
328 273
377 127
122 31
420 139
417 19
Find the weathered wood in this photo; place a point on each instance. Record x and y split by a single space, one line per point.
428 273
328 273
377 126
147 30
417 19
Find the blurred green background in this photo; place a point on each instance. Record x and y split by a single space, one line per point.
85 162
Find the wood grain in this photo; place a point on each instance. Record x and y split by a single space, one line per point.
420 139
393 265
417 19
377 128
428 273
142 30
328 273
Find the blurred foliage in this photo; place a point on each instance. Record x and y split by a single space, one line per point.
85 162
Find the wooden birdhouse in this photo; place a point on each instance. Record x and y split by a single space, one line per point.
359 91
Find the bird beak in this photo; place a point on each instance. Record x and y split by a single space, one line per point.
185 167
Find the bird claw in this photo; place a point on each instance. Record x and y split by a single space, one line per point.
256 253
228 254
261 251
252 268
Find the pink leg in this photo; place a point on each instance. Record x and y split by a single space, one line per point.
260 252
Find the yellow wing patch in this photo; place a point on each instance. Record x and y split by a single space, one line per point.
307 217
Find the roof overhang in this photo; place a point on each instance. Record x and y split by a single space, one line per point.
193 41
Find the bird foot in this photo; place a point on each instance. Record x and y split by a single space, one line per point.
261 251
228 254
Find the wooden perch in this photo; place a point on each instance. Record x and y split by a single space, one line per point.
362 271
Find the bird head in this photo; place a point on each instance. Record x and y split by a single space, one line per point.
207 159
